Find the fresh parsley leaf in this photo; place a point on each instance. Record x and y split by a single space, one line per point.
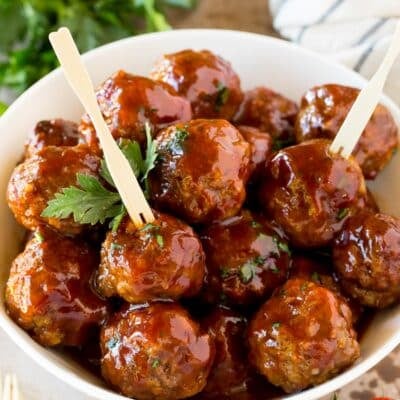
282 246
225 272
222 96
116 221
25 45
132 152
276 325
39 237
151 154
156 362
175 145
343 212
316 277
115 246
3 108
92 203
247 271
148 227
160 240
255 224
279 144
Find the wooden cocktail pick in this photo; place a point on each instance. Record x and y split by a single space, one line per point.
366 102
120 170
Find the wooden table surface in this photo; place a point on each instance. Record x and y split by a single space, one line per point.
246 15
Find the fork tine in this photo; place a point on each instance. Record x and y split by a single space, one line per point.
15 390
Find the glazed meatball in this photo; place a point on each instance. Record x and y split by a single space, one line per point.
270 112
155 352
310 192
205 79
48 292
37 180
320 271
261 149
322 112
56 132
128 101
230 373
247 257
163 259
302 336
366 256
202 170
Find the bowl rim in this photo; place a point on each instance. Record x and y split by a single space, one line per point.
35 351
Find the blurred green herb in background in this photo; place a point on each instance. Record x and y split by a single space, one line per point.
25 25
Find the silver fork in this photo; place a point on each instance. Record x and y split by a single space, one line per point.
9 387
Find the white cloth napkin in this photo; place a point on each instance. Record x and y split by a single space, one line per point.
354 32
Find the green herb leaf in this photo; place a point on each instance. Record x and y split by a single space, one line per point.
39 237
316 277
132 152
92 203
222 96
247 271
255 224
225 272
282 246
343 212
156 362
276 325
151 154
25 45
115 246
3 108
160 240
149 227
175 145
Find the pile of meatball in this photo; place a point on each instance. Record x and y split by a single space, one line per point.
266 251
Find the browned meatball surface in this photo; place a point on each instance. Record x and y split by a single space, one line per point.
128 101
320 271
230 373
155 352
201 171
270 112
310 192
322 112
366 255
48 292
247 257
205 79
302 336
37 180
163 259
261 149
55 132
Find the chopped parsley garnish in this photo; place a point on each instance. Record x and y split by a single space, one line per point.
304 286
255 224
156 362
274 268
248 269
91 202
343 212
247 272
39 237
222 96
160 240
225 272
282 246
279 144
316 277
276 325
148 227
175 145
115 246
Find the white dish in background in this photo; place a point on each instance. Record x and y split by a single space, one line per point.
259 60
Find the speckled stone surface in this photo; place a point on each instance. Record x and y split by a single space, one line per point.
247 15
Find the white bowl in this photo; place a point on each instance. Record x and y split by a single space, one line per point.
258 60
